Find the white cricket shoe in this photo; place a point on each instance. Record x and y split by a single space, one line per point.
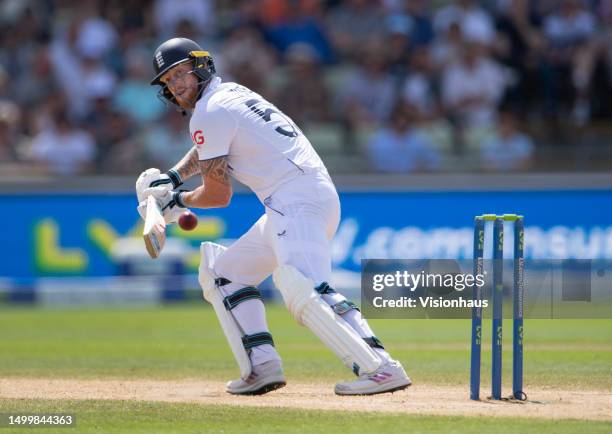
264 378
388 378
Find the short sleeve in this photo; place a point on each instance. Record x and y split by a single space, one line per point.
212 132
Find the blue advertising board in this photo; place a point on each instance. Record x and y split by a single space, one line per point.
73 234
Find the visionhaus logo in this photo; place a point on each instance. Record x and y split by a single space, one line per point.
427 302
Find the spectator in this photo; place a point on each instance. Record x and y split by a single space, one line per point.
568 30
83 77
416 13
245 45
397 43
168 141
353 24
475 23
63 148
168 16
368 94
110 129
251 13
132 20
400 148
37 80
446 47
605 37
422 28
273 12
472 88
246 72
134 96
569 27
520 49
9 119
67 66
602 57
509 149
86 55
5 89
419 90
297 27
96 37
305 96
97 80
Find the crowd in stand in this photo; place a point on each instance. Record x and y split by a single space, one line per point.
405 85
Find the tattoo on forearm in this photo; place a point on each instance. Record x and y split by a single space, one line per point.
188 166
215 168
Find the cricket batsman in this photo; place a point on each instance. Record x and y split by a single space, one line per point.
237 134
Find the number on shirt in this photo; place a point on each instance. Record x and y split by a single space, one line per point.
266 110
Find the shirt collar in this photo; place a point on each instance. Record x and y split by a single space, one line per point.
212 85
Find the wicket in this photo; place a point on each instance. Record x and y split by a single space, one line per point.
497 302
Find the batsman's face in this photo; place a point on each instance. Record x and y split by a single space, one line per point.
183 84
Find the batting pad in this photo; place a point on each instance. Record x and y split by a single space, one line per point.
309 309
210 252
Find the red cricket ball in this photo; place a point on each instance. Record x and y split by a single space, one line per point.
188 221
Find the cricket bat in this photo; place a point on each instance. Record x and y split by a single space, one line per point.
154 233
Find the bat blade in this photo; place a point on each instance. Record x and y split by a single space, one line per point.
154 233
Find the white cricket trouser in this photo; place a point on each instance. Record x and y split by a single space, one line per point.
299 223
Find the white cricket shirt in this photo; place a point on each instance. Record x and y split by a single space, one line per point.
264 147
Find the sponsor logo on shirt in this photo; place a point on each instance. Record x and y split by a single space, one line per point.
198 137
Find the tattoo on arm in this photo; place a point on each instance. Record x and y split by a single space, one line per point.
188 166
216 188
215 168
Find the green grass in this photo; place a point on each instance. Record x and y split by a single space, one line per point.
148 417
186 341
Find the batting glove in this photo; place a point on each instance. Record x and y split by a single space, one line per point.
154 178
170 202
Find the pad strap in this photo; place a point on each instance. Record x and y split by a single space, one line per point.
324 288
256 339
374 342
344 306
340 308
244 294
